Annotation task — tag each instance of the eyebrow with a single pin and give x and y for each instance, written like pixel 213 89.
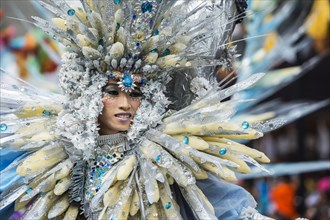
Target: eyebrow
pixel 116 85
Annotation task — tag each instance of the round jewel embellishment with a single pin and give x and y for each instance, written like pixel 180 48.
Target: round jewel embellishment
pixel 245 125
pixel 127 83
pixel 186 140
pixel 146 7
pixel 71 12
pixel 222 151
pixel 3 127
pixel 158 158
pixel 127 80
pixel 168 205
pixel 117 2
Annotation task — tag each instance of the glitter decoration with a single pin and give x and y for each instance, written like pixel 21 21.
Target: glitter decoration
pixel 71 12
pixel 146 7
pixel 106 157
pixel 3 127
pixel 245 125
pixel 168 205
pixel 186 140
pixel 222 151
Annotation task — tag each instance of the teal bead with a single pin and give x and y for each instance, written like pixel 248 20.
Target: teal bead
pixel 117 2
pixel 222 151
pixel 3 127
pixel 245 125
pixel 168 205
pixel 146 7
pixel 46 113
pixel 156 32
pixel 158 158
pixel 166 52
pixel 71 12
pixel 155 50
pixel 186 140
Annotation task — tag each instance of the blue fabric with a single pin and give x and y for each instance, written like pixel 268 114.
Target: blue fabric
pixel 9 177
pixel 7 156
pixel 227 199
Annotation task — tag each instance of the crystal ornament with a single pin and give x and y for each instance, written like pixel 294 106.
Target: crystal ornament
pixel 186 140
pixel 223 151
pixel 127 83
pixel 46 113
pixel 127 80
pixel 3 127
pixel 168 205
pixel 71 12
pixel 146 7
pixel 245 125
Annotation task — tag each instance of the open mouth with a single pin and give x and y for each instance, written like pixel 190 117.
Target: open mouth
pixel 123 116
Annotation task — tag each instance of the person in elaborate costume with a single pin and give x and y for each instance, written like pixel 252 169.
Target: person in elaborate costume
pixel 143 129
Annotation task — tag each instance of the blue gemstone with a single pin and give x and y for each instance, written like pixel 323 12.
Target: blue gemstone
pixel 143 80
pixel 3 127
pixel 186 140
pixel 168 205
pixel 111 76
pixel 146 6
pixel 71 12
pixel 151 22
pixel 222 151
pixel 117 2
pixel 46 113
pixel 245 125
pixel 134 17
pixel 156 32
pixel 137 44
pixel 127 80
pixel 166 52
pixel 158 158
pixel 28 190
pixel 135 57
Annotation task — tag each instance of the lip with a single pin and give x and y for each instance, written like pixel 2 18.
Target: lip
pixel 124 116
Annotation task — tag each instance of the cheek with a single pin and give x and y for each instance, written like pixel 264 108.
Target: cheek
pixel 136 105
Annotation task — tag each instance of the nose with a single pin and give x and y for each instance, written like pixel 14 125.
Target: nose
pixel 124 102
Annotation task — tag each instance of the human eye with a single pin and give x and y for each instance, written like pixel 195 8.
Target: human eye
pixel 113 92
pixel 135 94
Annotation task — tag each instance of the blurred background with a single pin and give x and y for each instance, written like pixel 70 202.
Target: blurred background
pixel 287 39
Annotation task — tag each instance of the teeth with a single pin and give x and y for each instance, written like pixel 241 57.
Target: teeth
pixel 123 116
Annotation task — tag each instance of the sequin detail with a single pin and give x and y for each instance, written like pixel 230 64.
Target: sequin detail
pixel 105 158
